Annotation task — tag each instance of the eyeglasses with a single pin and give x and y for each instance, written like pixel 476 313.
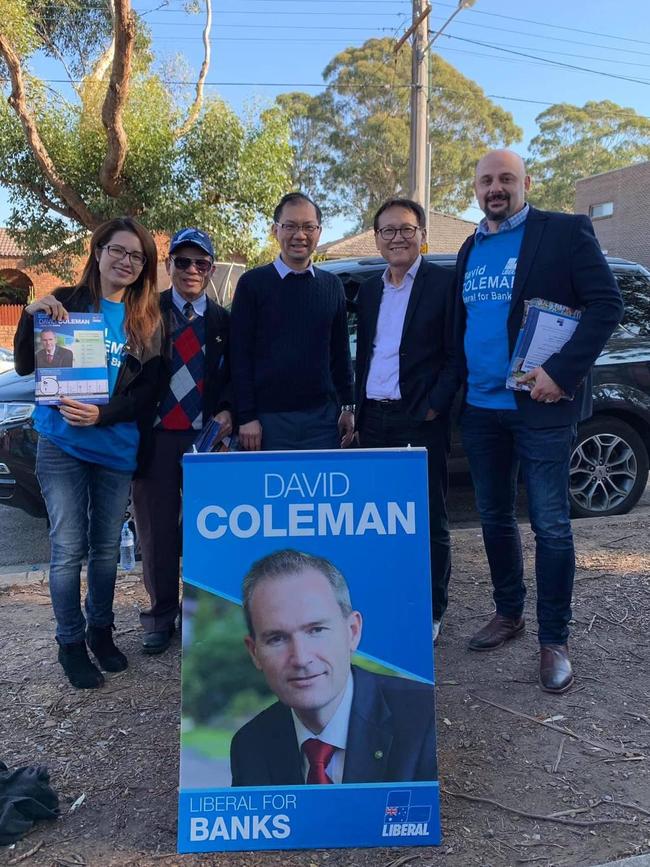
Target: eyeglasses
pixel 294 228
pixel 116 252
pixel 185 262
pixel 389 232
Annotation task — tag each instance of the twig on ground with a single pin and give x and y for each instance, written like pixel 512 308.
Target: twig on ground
pixel 403 860
pixel 539 817
pixel 621 539
pixel 557 761
pixel 637 715
pixel 591 623
pixel 27 854
pixel 561 729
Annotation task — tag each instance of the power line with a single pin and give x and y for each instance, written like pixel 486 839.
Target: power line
pixel 553 26
pixel 550 62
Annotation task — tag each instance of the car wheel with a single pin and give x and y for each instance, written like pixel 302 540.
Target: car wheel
pixel 609 468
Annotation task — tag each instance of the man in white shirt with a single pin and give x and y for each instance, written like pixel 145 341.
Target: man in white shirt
pixel 334 722
pixel 406 372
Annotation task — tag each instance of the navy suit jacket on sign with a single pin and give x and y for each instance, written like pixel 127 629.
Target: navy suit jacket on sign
pixel 560 260
pixel 428 372
pixel 391 737
pixel 62 358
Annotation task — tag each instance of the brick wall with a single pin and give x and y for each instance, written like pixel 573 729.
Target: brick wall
pixel 7 336
pixel 625 233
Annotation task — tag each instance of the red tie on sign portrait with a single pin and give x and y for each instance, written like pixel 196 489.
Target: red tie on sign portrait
pixel 319 754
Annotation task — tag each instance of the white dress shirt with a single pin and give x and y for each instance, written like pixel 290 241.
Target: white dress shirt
pixel 335 734
pixel 383 375
pixel 283 269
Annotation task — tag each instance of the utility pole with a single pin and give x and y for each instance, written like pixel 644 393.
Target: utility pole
pixel 419 102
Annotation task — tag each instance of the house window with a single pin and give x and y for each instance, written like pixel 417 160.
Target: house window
pixel 604 209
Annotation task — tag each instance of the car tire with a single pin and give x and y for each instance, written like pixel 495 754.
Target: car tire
pixel 608 469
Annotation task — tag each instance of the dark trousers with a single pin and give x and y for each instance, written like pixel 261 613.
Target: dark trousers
pixel 384 424
pixel 497 442
pixel 302 429
pixel 157 506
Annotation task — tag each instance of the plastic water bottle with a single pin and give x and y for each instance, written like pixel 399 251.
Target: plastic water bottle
pixel 127 548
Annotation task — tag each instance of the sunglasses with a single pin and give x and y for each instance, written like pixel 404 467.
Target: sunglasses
pixel 185 262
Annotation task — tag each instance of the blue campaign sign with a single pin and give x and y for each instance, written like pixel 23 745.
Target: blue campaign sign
pixel 308 716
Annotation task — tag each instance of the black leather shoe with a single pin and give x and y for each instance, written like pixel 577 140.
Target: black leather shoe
pixel 555 672
pixel 157 642
pixel 495 633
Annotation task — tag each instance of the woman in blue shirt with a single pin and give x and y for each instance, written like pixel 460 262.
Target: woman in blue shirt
pixel 87 454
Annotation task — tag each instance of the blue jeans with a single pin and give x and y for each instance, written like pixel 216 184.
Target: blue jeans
pixel 86 505
pixel 497 442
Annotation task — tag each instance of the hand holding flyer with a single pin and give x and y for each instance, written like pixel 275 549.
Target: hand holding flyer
pixel 70 358
pixel 545 329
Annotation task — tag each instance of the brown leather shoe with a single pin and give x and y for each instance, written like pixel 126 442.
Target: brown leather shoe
pixel 555 672
pixel 495 633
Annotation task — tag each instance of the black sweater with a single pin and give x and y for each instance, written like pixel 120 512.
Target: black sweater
pixel 289 340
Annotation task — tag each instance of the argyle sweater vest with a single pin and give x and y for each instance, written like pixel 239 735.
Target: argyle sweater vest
pixel 181 408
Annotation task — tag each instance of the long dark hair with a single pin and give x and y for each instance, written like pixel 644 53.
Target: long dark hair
pixel 142 310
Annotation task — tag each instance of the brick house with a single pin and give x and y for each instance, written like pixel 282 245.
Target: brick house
pixel 446 234
pixel 618 203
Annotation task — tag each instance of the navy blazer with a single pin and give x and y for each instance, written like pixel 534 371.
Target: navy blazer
pixel 428 370
pixel 560 260
pixel 391 737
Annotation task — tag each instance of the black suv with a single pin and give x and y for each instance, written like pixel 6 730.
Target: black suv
pixel 609 466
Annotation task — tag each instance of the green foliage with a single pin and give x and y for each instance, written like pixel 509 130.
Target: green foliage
pixel 220 683
pixel 351 143
pixel 577 141
pixel 224 174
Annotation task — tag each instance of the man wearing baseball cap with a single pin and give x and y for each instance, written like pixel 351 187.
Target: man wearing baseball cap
pixel 195 386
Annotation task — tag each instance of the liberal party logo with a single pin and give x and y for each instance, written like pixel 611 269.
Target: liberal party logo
pixel 403 819
pixel 511 265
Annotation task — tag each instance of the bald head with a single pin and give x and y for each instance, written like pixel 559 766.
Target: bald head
pixel 501 183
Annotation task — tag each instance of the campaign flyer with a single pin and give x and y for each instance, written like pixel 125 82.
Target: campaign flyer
pixel 70 358
pixel 308 713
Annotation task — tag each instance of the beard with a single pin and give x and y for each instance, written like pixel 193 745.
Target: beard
pixel 499 216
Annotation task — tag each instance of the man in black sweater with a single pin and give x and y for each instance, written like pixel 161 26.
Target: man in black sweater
pixel 291 368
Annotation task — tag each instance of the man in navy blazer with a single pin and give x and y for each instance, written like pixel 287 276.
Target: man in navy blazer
pixel 406 369
pixel 51 354
pixel 333 723
pixel 516 254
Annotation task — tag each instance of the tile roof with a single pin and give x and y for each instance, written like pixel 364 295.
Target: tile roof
pixel 446 234
pixel 8 246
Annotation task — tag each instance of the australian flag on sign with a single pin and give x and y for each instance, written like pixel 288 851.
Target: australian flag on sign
pixel 397 806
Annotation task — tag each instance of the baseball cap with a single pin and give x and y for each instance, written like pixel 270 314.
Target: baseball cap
pixel 192 236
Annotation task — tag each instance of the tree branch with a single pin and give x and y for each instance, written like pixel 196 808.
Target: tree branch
pixel 110 174
pixel 205 66
pixel 106 57
pixel 18 101
pixel 41 195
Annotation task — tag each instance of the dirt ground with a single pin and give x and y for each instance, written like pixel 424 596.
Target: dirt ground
pixel 526 777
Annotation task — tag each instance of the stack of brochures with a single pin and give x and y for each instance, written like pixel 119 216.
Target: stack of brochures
pixel 211 439
pixel 545 328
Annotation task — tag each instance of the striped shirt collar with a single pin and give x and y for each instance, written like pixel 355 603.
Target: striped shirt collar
pixel 506 226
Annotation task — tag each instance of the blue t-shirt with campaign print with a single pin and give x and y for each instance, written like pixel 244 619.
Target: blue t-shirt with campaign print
pixel 114 445
pixel 487 292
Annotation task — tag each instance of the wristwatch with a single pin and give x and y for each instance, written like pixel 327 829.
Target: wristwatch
pixel 347 407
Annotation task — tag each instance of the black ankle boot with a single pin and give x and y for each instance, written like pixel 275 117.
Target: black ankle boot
pixel 79 670
pixel 100 641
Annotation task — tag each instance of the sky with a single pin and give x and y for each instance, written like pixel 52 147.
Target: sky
pixel 524 54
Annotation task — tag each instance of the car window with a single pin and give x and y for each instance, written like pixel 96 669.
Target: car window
pixel 635 289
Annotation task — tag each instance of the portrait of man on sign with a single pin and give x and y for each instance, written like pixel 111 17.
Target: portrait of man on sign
pixel 333 722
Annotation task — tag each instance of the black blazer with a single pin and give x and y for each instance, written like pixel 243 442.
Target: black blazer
pixel 560 260
pixel 62 357
pixel 391 737
pixel 428 372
